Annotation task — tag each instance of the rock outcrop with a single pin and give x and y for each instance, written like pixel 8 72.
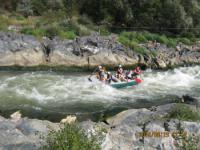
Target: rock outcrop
pixel 167 57
pixel 129 130
pixel 20 50
pixel 146 129
pixel 23 50
pixel 24 133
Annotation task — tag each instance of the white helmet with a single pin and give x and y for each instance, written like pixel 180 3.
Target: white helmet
pixel 109 73
pixel 120 66
pixel 100 67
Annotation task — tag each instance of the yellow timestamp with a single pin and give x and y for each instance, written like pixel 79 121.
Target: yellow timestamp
pixel 159 134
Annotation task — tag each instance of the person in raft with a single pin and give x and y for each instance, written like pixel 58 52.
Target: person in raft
pixel 135 72
pixel 120 73
pixel 109 78
pixel 101 73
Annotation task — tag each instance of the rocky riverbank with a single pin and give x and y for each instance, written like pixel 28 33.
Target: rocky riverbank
pixel 151 129
pixel 89 51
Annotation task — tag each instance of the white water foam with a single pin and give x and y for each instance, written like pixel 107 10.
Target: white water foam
pixel 57 90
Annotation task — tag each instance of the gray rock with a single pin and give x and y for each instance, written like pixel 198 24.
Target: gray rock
pixel 142 129
pixel 134 129
pixel 191 100
pixel 20 50
pixel 23 50
pixel 24 134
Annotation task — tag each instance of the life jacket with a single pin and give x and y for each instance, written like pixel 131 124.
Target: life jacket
pixel 120 71
pixel 136 71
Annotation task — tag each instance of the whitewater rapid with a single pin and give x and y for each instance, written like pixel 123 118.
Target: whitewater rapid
pixel 72 93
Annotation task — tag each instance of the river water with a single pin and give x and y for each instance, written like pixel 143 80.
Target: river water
pixel 51 95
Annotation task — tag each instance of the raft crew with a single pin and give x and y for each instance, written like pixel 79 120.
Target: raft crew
pixel 121 75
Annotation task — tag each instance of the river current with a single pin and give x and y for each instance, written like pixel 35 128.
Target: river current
pixel 51 95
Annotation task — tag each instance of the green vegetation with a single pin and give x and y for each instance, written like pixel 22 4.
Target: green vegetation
pixel 144 36
pixel 71 137
pixel 184 112
pixel 70 18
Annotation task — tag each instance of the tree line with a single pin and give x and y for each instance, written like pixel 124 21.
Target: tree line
pixel 180 17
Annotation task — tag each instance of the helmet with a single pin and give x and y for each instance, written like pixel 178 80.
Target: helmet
pixel 120 66
pixel 100 67
pixel 109 73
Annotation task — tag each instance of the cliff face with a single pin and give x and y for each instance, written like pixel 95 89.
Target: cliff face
pixel 23 50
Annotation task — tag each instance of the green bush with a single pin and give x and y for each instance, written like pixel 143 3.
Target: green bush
pixel 141 38
pixel 85 20
pixel 148 36
pixel 35 32
pixel 124 40
pixel 184 112
pixel 129 40
pixel 3 22
pixel 3 26
pixel 67 35
pixel 51 31
pixel 103 30
pixel 185 41
pixel 133 45
pixel 162 39
pixel 71 137
pixel 172 42
pixel 39 6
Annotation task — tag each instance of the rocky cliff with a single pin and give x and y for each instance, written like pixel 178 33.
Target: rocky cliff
pixel 23 50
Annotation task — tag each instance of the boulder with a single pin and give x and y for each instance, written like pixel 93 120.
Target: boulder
pixel 24 133
pixel 144 129
pixel 20 50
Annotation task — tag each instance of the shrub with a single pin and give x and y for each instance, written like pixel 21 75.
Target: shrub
pixel 148 36
pixel 124 40
pixel 104 31
pixel 68 35
pixel 153 53
pixel 162 39
pixel 39 6
pixel 185 41
pixel 128 35
pixel 3 26
pixel 31 31
pixel 71 137
pixel 141 38
pixel 85 20
pixel 3 22
pixel 129 40
pixel 82 30
pixel 184 112
pixel 172 42
pixel 51 31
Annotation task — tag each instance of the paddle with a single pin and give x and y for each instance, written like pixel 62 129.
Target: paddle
pixel 89 78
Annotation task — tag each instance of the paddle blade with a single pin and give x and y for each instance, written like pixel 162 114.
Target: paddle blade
pixel 90 79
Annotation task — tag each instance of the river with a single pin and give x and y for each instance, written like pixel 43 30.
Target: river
pixel 52 96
